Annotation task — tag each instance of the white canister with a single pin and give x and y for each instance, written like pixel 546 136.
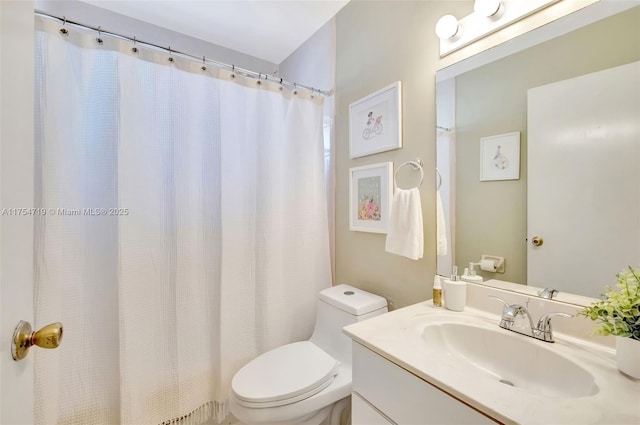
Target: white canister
pixel 627 355
pixel 454 294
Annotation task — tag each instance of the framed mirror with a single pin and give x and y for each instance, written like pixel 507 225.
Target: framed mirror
pixel 580 201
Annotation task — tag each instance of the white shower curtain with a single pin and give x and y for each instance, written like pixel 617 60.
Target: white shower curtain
pixel 184 233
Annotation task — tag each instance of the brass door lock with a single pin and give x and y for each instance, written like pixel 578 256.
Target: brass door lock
pixel 49 336
pixel 537 241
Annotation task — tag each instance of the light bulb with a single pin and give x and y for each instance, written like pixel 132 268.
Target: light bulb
pixel 486 8
pixel 447 27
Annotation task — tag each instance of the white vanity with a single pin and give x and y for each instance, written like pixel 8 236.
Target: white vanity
pixel 384 393
pixel 427 365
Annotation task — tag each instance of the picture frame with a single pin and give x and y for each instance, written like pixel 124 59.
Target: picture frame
pixel 370 194
pixel 375 122
pixel 500 157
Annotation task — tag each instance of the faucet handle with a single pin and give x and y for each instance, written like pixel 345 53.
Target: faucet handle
pixel 506 304
pixel 509 313
pixel 544 325
pixel 511 310
pixel 548 293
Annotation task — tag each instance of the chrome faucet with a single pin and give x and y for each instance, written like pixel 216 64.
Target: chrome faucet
pixel 548 293
pixel 541 331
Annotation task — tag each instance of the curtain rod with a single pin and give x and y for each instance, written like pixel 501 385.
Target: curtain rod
pixel 231 67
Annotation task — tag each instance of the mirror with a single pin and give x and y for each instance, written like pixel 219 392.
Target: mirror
pixel 492 217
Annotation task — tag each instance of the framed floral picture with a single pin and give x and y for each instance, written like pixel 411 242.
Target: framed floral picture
pixel 370 192
pixel 375 122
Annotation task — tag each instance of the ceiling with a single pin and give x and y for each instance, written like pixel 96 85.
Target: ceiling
pixel 267 29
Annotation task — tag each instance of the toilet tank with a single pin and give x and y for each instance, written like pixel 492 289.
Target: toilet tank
pixel 339 306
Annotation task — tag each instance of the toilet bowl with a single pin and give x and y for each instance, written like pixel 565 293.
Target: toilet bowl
pixel 301 382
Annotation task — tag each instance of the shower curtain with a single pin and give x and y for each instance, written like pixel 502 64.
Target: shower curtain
pixel 183 229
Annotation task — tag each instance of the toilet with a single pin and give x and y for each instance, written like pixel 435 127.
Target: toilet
pixel 301 383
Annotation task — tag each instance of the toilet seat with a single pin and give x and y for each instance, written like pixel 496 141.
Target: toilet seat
pixel 285 375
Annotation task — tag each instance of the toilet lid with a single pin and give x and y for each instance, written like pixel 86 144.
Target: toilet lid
pixel 293 371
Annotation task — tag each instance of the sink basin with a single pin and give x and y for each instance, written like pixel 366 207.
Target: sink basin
pixel 511 359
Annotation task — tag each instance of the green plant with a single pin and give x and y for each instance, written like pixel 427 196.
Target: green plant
pixel 618 313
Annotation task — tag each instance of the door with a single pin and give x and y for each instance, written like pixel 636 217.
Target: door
pixel 16 184
pixel 584 203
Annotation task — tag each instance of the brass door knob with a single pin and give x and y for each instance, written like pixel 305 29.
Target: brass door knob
pixel 49 336
pixel 537 241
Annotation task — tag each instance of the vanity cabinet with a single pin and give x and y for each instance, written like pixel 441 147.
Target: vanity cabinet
pixel 385 393
pixel 364 413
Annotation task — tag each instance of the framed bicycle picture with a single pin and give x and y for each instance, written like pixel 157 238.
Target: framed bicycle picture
pixel 370 193
pixel 500 157
pixel 375 122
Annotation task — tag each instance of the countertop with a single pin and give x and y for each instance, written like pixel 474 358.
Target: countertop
pixel 395 336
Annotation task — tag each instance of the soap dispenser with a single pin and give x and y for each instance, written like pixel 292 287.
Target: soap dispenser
pixel 470 275
pixel 437 292
pixel 455 292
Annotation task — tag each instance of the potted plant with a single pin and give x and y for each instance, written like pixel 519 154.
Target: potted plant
pixel 618 314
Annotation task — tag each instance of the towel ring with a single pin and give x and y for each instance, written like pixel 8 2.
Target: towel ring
pixel 415 165
pixel 439 176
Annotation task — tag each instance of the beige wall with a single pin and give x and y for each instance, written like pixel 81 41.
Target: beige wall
pixel 491 216
pixel 314 64
pixel 378 43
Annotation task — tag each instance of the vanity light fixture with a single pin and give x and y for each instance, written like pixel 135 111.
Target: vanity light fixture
pixel 488 17
pixel 447 27
pixel 487 8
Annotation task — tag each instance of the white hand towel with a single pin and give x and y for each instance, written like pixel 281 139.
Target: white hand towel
pixel 442 245
pixel 405 236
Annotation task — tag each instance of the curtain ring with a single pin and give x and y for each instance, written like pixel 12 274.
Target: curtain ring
pixel 233 69
pixel 134 49
pixel 204 68
pixel 63 30
pixel 259 76
pixel 99 38
pixel 170 59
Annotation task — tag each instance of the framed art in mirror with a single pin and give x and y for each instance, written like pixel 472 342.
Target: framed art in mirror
pixel 370 190
pixel 375 122
pixel 500 157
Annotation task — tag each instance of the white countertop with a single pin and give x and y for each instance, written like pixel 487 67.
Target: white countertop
pixel 394 336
